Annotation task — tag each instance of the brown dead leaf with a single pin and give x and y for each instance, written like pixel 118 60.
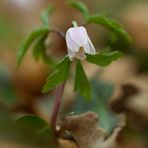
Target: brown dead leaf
pixel 86 133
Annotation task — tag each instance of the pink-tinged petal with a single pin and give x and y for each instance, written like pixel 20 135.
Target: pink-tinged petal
pixel 86 48
pixel 78 43
pixel 71 54
pixel 70 43
pixel 78 35
pixel 91 47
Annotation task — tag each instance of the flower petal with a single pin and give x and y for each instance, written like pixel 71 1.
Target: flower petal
pixel 70 43
pixel 71 54
pixel 78 35
pixel 78 43
pixel 87 48
pixel 91 47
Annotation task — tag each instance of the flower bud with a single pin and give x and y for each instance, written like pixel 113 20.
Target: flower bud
pixel 78 43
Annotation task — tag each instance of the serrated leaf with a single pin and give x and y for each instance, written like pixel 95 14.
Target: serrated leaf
pixel 59 75
pixel 101 92
pixel 28 41
pixel 39 50
pixel 45 15
pixel 104 58
pixel 110 24
pixel 81 82
pixel 80 6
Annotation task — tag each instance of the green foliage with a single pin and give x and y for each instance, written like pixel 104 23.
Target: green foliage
pixel 28 41
pixel 59 74
pixel 81 82
pixel 39 47
pixel 104 58
pixel 39 50
pixel 36 124
pixel 8 95
pixel 80 6
pixel 101 92
pixel 28 131
pixel 40 34
pixel 109 24
pixel 45 15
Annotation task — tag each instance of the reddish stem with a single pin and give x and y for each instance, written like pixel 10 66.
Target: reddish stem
pixel 58 98
pixel 58 32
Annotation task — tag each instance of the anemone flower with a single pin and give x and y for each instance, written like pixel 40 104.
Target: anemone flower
pixel 78 43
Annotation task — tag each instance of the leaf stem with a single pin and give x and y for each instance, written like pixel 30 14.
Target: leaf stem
pixel 58 32
pixel 58 97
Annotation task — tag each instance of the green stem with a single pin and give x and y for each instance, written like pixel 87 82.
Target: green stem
pixel 74 23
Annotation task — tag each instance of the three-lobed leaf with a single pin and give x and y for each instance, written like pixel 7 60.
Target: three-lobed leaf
pixel 28 42
pixel 81 82
pixel 109 24
pixel 59 75
pixel 105 57
pixel 80 6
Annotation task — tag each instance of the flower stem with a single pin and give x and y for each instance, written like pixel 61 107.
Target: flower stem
pixel 58 98
pixel 74 23
pixel 58 32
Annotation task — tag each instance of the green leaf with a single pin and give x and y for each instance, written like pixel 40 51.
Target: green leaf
pixel 110 24
pixel 59 75
pixel 80 6
pixel 31 132
pixel 81 82
pixel 36 124
pixel 46 14
pixel 28 41
pixel 8 94
pixel 104 58
pixel 101 92
pixel 39 50
pixel 39 46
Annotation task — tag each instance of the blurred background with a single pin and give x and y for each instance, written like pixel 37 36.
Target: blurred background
pixel 20 89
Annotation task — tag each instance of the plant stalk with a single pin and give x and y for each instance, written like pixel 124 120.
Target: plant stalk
pixel 58 99
pixel 58 32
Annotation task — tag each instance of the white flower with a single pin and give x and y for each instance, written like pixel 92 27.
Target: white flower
pixel 78 43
